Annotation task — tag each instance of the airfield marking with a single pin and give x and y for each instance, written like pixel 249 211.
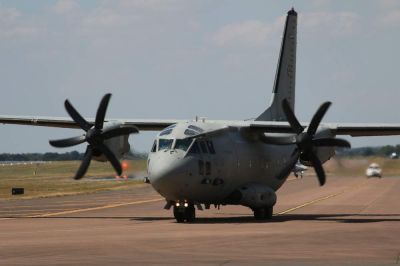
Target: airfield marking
pixel 94 208
pixel 84 209
pixel 319 199
pixel 309 203
pixel 160 199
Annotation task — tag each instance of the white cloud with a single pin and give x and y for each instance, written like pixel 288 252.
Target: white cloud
pixel 152 4
pixel 8 15
pixel 335 22
pixel 14 24
pixel 392 18
pixel 257 33
pixel 388 4
pixel 124 12
pixel 247 33
pixel 65 6
pixel 104 17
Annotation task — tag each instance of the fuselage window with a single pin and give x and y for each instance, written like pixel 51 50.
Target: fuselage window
pixel 194 149
pixel 201 167
pixel 210 146
pixel 203 147
pixel 208 168
pixel 189 132
pixel 196 128
pixel 183 144
pixel 164 144
pixel 154 148
pixel 166 132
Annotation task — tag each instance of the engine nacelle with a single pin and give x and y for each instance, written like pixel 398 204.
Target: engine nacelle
pixel 323 153
pixel 118 145
pixel 253 195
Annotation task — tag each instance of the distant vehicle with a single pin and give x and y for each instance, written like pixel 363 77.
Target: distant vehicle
pixel 373 170
pixel 394 155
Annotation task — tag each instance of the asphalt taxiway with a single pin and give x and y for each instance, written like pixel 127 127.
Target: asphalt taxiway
pixel 351 221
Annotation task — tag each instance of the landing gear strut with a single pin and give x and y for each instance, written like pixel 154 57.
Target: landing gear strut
pixel 263 213
pixel 185 213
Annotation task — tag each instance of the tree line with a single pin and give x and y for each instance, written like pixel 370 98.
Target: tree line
pixel 54 156
pixel 383 151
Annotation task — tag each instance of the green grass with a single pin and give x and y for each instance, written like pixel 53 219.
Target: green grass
pixel 356 166
pixel 56 178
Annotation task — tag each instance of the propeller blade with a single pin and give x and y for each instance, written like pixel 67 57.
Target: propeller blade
pixel 319 170
pixel 332 142
pixel 62 143
pixel 278 140
pixel 111 157
pixel 101 111
pixel 290 164
pixel 76 116
pixel 317 118
pixel 294 123
pixel 85 163
pixel 122 130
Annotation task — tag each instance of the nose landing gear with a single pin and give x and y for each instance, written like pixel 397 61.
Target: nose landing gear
pixel 264 213
pixel 184 212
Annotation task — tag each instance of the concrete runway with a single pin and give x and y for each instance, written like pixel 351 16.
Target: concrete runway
pixel 350 221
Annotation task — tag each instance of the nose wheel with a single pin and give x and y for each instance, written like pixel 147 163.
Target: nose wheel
pixel 264 213
pixel 184 213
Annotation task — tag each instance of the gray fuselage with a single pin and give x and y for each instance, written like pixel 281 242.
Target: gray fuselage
pixel 217 166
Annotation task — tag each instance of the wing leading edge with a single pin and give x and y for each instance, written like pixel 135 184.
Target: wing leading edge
pixel 63 122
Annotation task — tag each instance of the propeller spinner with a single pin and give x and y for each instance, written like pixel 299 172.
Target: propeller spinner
pixel 306 141
pixel 95 135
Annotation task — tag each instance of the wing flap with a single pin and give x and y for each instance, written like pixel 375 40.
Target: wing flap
pixel 350 129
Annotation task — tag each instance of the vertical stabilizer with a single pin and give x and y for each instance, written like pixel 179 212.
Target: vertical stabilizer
pixel 285 77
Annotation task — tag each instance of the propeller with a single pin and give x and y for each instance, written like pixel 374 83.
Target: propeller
pixel 95 135
pixel 306 141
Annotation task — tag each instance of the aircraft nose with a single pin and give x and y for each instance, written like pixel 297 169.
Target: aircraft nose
pixel 168 174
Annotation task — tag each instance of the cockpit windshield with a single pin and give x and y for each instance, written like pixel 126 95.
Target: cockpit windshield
pixel 165 144
pixel 183 144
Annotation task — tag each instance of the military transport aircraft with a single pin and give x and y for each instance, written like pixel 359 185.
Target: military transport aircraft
pixel 198 163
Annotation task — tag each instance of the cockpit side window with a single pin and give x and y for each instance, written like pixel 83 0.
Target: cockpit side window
pixel 154 148
pixel 183 144
pixel 203 147
pixel 210 146
pixel 165 144
pixel 194 149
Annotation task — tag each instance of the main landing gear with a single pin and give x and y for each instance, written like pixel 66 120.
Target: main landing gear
pixel 184 213
pixel 263 213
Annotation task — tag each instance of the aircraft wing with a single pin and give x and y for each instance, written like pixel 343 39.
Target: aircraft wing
pixel 351 129
pixel 64 122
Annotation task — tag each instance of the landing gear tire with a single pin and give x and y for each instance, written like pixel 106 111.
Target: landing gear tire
pixel 179 215
pixel 264 213
pixel 183 214
pixel 190 214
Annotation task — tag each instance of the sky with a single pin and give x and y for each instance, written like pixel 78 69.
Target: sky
pixel 178 59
